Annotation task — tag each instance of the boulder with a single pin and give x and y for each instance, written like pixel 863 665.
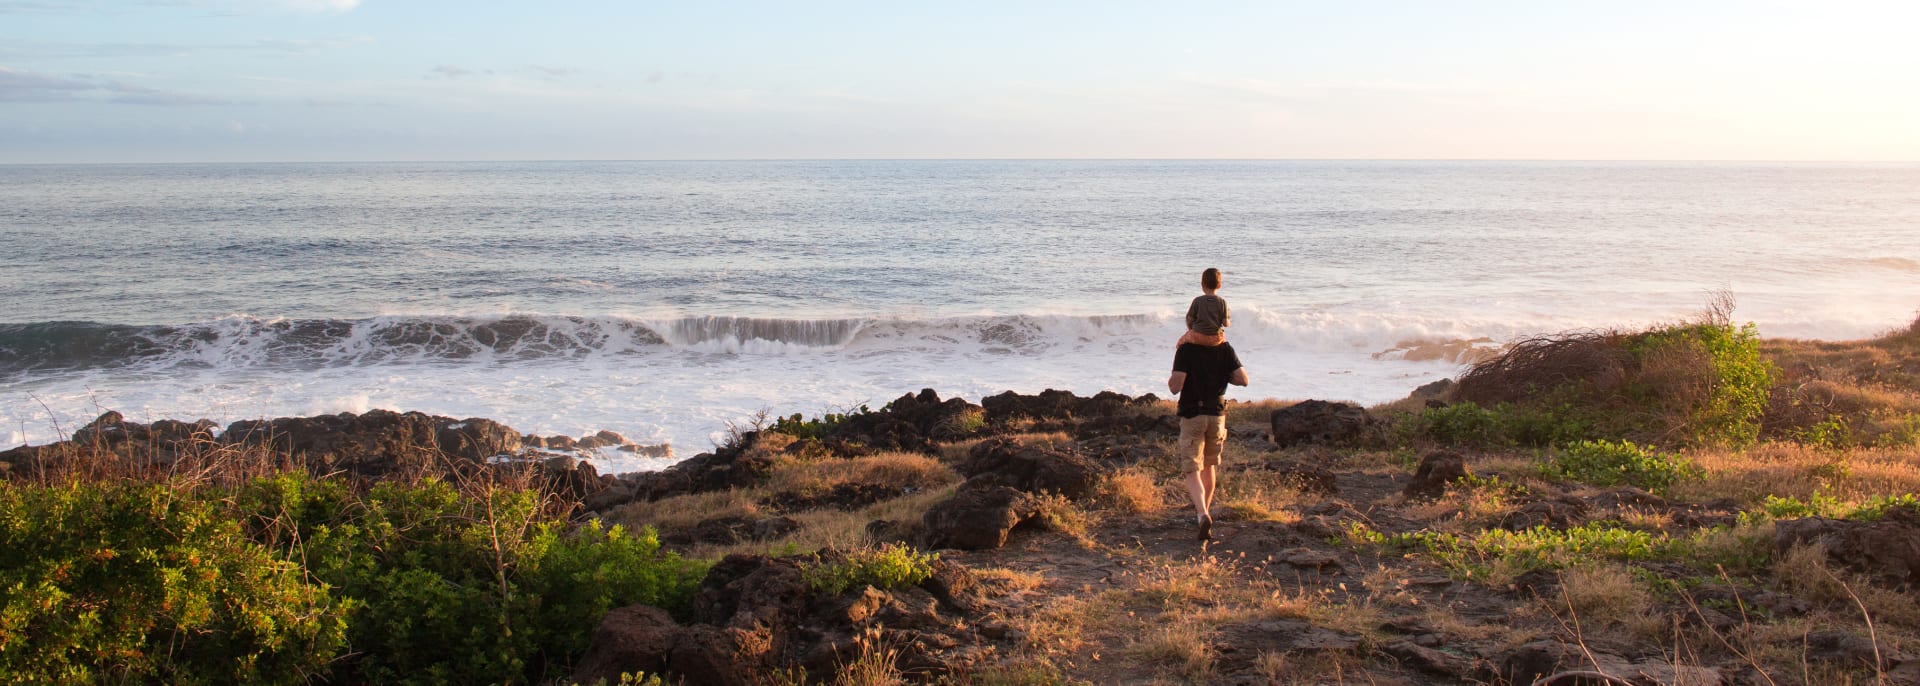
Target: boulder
pixel 735 466
pixel 1318 421
pixel 1436 471
pixel 476 439
pixel 747 590
pixel 979 516
pixel 1409 653
pixel 1559 513
pixel 1048 404
pixel 1030 468
pixel 107 429
pixel 1842 647
pixel 911 423
pixel 636 638
pixel 1889 548
pixel 1436 390
pixel 955 587
pixel 724 655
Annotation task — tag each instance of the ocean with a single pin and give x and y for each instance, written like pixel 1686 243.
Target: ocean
pixel 668 300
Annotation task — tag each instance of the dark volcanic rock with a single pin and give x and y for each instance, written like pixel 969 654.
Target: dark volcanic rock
pixel 379 442
pixel 755 614
pixel 1318 421
pixel 1889 548
pixel 734 466
pixel 955 586
pixel 846 497
pixel 1559 513
pixel 1842 647
pixel 911 422
pixel 1436 390
pixel 636 638
pixel 1009 462
pixel 978 517
pixel 1409 653
pixel 1437 470
pixel 724 655
pixel 1533 661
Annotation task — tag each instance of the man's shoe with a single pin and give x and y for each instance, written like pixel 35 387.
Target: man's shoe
pixel 1206 527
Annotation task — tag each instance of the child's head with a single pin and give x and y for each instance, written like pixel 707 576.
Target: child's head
pixel 1210 279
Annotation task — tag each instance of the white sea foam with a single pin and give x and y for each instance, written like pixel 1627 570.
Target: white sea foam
pixel 702 374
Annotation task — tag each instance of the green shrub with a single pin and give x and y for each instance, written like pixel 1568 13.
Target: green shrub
pixel 1824 505
pixel 452 588
pixel 817 428
pixel 890 566
pixel 1504 425
pixel 1612 463
pixel 1536 548
pixel 1739 379
pixel 139 583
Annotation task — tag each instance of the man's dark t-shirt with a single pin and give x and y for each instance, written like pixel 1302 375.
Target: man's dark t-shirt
pixel 1208 368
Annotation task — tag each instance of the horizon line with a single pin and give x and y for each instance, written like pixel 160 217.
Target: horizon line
pixel 979 159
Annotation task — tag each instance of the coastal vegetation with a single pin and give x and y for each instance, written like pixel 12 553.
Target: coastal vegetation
pixel 1683 504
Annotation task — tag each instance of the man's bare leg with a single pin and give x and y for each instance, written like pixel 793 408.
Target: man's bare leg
pixel 1200 490
pixel 1208 476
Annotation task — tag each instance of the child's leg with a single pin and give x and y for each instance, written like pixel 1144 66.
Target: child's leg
pixel 1192 336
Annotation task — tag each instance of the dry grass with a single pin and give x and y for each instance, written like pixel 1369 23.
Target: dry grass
pixel 1010 580
pixel 875 665
pixel 682 511
pixel 891 470
pixel 1793 470
pixel 1601 595
pixel 1251 412
pixel 1182 647
pixel 1872 387
pixel 1132 491
pixel 958 451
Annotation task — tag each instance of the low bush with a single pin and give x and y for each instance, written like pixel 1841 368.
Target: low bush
pixel 1613 463
pixel 132 583
pixel 463 588
pixel 1699 383
pixel 294 579
pixel 1822 505
pixel 887 567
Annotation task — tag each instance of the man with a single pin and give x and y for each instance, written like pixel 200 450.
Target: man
pixel 1200 377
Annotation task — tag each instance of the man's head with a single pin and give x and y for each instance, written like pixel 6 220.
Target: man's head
pixel 1210 279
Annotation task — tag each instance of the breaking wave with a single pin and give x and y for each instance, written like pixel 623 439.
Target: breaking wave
pixel 242 342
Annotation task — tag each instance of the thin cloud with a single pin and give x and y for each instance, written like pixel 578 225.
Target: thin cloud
pixel 35 50
pixel 21 86
pixel 219 7
pixel 551 73
pixel 449 71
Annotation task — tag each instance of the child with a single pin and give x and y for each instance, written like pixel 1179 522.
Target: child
pixel 1207 316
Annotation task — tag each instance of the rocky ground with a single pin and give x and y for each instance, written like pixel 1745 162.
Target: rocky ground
pixel 1066 552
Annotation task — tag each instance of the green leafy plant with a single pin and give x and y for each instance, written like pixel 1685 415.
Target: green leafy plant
pixel 798 426
pixel 1612 463
pixel 452 587
pixel 139 583
pixel 887 567
pixel 1738 383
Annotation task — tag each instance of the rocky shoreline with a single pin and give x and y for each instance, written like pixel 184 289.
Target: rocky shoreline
pixel 1046 565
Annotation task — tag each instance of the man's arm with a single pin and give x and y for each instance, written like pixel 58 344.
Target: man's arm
pixel 1239 377
pixel 1178 380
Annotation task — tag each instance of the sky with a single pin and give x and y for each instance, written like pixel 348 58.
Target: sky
pixel 326 80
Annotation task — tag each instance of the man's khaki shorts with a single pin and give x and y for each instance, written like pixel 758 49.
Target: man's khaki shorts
pixel 1201 439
